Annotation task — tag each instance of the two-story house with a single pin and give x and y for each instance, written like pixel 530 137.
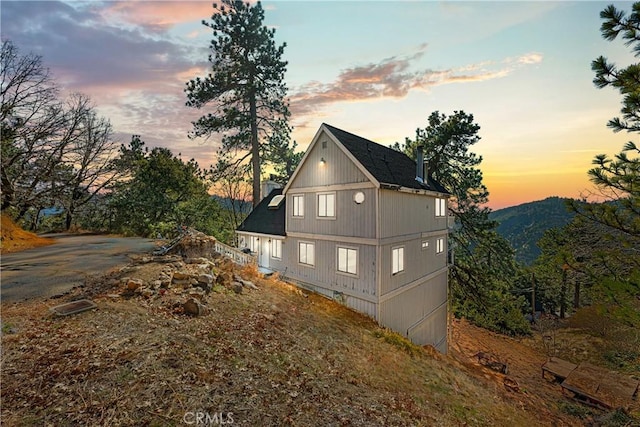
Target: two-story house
pixel 360 223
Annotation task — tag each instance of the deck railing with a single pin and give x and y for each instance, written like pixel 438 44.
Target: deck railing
pixel 235 254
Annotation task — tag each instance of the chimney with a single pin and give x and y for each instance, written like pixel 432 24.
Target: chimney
pixel 420 165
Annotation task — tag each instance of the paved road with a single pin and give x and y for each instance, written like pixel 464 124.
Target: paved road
pixel 53 269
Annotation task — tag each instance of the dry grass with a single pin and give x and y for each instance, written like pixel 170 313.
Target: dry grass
pixel 14 238
pixel 273 356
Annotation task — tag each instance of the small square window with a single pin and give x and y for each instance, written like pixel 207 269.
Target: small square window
pixel 327 205
pixel 425 244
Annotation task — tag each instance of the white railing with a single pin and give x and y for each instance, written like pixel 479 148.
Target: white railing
pixel 234 254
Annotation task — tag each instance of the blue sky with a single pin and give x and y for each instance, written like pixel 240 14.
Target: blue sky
pixel 376 69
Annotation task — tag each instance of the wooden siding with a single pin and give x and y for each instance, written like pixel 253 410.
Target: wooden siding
pixel 325 275
pixel 418 262
pixel 351 219
pixel 406 311
pixel 337 169
pixel 432 330
pixel 405 213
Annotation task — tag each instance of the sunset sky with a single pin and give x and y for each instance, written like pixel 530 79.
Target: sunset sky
pixel 374 68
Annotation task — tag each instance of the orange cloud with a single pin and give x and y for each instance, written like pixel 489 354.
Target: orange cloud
pixel 394 78
pixel 158 14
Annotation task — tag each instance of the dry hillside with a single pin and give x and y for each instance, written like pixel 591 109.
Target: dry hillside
pixel 14 238
pixel 260 353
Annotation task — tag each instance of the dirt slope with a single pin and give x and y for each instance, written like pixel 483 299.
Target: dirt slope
pixel 269 356
pixel 14 238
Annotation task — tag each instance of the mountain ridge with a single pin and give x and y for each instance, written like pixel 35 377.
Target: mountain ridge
pixel 523 225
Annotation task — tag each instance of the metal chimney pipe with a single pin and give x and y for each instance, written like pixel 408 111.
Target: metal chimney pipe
pixel 420 163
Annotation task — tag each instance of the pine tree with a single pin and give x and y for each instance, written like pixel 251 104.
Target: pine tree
pixel 245 87
pixel 484 260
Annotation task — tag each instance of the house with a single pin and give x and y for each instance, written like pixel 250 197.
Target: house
pixel 360 223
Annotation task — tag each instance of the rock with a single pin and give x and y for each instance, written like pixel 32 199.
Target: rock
pixel 197 293
pixel 246 283
pixel 146 292
pixel 156 284
pixel 206 287
pixel 198 260
pixel 133 284
pixel 194 307
pixel 224 278
pixel 179 275
pixel 237 287
pixel 205 278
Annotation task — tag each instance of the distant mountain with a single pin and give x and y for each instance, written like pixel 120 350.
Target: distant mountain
pixel 524 225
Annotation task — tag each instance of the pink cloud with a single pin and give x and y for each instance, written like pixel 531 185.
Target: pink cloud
pixel 394 78
pixel 158 14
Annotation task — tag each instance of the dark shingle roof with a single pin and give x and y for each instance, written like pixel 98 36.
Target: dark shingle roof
pixel 387 165
pixel 265 220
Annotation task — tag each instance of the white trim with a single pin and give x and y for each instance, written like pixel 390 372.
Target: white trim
pixel 270 236
pixel 333 187
pixel 313 244
pixel 347 273
pixel 272 252
pixel 332 238
pixel 400 260
pixel 335 202
pixel 294 205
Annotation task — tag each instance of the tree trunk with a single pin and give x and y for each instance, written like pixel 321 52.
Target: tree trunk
pixel 563 294
pixel 68 220
pixel 576 296
pixel 255 150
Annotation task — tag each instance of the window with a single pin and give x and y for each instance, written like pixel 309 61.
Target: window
pixel 276 248
pixel 440 245
pixel 441 207
pixel 306 253
pixel 327 205
pixel 347 260
pixel 425 244
pixel 254 244
pixel 397 260
pixel 298 205
pixel 276 202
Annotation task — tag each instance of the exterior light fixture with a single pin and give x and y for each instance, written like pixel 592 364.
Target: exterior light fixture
pixel 322 161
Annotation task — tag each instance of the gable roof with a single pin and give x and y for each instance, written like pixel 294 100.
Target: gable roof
pixel 266 220
pixel 387 165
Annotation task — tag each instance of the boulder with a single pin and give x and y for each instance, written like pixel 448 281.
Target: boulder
pixel 194 307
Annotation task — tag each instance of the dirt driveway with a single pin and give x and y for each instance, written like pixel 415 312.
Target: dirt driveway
pixel 51 270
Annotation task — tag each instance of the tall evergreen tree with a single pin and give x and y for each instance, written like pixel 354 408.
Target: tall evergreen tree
pixel 484 261
pixel 245 86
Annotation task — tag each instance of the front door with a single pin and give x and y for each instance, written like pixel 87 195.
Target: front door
pixel 265 250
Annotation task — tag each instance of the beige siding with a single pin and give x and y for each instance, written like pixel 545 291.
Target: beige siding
pixel 324 274
pixel 406 311
pixel 337 169
pixel 351 219
pixel 405 213
pixel 418 262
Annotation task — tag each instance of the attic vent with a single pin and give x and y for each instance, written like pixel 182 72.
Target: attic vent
pixel 276 202
pixel 324 144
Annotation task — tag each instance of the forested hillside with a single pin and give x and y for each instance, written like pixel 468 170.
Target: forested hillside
pixel 524 225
